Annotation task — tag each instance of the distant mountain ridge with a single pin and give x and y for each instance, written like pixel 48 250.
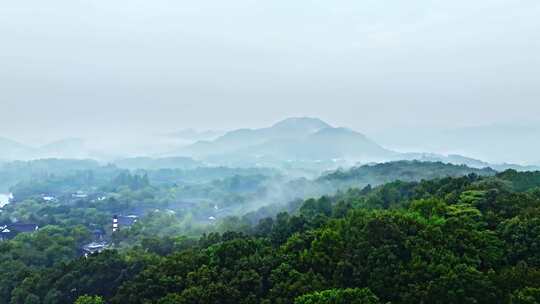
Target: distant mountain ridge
pixel 10 149
pixel 463 160
pixel 307 144
pixel 292 128
pixel 71 148
pixel 301 138
pixel 492 142
pixel 307 139
pixel 68 148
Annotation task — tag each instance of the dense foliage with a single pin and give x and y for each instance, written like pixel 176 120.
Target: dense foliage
pixel 401 170
pixel 467 239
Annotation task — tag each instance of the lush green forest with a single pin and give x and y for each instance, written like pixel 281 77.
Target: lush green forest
pixel 67 193
pixel 269 152
pixel 468 239
pixel 376 174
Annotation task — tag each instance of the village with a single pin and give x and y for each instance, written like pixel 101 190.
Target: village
pixel 101 237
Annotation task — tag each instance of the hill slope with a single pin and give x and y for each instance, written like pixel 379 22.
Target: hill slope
pixel 401 170
pixel 292 139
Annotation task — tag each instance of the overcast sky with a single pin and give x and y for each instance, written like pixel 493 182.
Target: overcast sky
pixel 92 67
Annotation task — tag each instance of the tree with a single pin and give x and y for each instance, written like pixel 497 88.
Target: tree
pixel 339 296
pixel 526 296
pixel 86 299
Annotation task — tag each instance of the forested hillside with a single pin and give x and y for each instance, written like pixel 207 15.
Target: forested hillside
pixel 269 152
pixel 467 239
pixel 68 192
pixel 401 170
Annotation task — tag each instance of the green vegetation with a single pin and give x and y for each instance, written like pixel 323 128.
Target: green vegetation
pixel 17 171
pixel 401 170
pixel 89 300
pixel 339 296
pixel 468 239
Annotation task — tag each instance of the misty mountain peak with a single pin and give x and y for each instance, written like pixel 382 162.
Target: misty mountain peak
pixel 338 131
pixel 309 124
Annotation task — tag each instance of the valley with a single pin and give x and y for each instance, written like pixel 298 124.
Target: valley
pixel 269 152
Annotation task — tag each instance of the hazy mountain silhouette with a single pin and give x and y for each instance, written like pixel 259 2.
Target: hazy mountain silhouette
pixel 511 142
pixel 10 149
pixel 292 139
pixel 300 139
pixel 70 148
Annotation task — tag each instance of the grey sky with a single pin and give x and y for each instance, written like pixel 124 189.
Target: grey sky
pixel 92 67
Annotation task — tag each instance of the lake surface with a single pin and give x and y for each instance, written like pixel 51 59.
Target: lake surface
pixel 4 199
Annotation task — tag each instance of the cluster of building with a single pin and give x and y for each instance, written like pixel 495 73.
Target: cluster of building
pixel 9 231
pixel 99 243
pixel 72 196
pixel 94 247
